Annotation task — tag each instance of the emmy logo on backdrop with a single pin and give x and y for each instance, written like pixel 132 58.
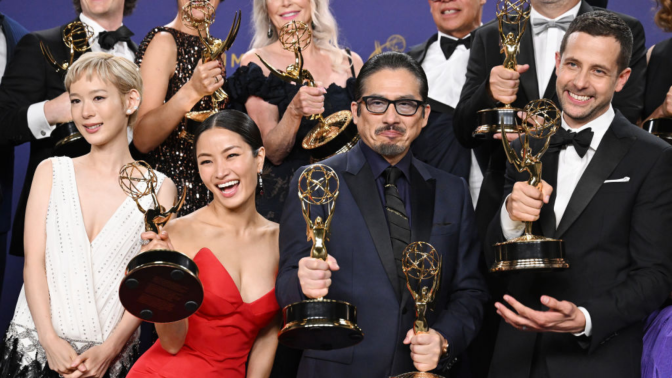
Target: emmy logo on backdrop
pixel 394 43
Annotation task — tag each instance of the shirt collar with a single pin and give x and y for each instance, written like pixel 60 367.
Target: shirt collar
pixel 572 12
pixel 379 164
pixel 97 29
pixel 598 126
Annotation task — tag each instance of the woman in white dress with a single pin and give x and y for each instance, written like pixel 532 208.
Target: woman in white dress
pixel 81 231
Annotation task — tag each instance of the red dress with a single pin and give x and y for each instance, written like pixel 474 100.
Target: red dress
pixel 221 333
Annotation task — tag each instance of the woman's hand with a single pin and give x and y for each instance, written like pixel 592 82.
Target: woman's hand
pixel 156 241
pixel 207 78
pixel 666 107
pixel 94 362
pixel 308 101
pixel 59 354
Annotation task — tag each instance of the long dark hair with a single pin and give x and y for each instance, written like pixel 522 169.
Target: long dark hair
pixel 232 120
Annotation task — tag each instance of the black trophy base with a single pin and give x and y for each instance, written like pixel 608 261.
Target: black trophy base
pixel 320 324
pixel 491 121
pixel 68 141
pixel 529 252
pixel 417 374
pixel 161 286
pixel 192 121
pixel 660 127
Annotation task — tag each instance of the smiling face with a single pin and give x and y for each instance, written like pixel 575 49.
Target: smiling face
pixel 284 11
pixel 457 17
pixel 228 167
pixel 588 76
pixel 390 134
pixel 97 9
pixel 100 111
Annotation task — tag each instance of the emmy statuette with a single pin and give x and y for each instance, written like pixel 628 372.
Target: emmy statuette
pixel 542 119
pixel 510 14
pixel 321 324
pixel 160 286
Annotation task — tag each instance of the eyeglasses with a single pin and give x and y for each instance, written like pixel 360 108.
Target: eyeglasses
pixel 379 105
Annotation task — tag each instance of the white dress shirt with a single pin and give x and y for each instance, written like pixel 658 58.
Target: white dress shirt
pixel 37 120
pixel 3 53
pixel 446 78
pixel 570 169
pixel 546 44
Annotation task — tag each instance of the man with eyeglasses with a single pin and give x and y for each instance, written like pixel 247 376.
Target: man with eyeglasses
pixel 387 200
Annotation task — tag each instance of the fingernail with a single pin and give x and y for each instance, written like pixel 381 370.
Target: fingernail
pixel 544 300
pixel 547 198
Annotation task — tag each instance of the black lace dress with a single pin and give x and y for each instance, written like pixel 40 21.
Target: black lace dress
pixel 250 81
pixel 175 156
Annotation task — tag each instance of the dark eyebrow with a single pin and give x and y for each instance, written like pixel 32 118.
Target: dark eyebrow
pixel 223 151
pixel 402 97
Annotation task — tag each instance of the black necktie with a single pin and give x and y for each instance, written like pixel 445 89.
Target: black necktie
pixel 107 39
pixel 448 45
pixel 397 220
pixel 580 141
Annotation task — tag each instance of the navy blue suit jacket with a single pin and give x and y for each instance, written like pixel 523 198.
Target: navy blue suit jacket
pixel 441 214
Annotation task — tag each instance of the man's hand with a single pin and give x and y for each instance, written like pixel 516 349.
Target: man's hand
pixel 504 83
pixel 525 202
pixel 561 317
pixel 58 110
pixel 425 349
pixel 315 276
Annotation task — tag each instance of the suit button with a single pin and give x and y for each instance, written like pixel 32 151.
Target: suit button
pixel 404 311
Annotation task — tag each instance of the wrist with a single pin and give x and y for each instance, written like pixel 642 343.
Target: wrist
pixel 48 337
pixel 191 95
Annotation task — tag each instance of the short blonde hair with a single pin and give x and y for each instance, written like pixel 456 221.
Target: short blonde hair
pixel 119 71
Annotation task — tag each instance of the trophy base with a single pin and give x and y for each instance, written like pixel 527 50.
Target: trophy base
pixel 320 325
pixel 660 127
pixel 417 374
pixel 337 134
pixel 529 252
pixel 161 286
pixel 192 120
pixel 68 141
pixel 491 121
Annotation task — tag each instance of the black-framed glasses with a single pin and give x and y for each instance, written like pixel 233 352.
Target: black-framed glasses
pixel 379 105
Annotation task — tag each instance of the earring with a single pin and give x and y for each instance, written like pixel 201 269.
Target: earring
pixel 261 184
pixel 270 29
pixel 208 197
pixel 129 111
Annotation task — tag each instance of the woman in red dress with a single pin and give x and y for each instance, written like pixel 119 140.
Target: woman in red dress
pixel 236 250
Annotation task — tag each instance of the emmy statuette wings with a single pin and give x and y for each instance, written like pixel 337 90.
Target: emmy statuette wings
pixel 321 323
pixel 160 285
pixel 332 135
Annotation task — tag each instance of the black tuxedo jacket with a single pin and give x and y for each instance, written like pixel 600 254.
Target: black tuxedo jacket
pixel 485 54
pixel 620 256
pixel 30 79
pixel 437 145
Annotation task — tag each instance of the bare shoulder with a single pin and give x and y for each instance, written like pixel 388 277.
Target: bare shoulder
pixel 43 174
pixel 271 231
pixel 162 40
pixel 251 57
pixel 161 51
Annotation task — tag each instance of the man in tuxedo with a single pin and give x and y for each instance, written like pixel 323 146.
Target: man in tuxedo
pixel 489 84
pixel 608 195
pixel 10 34
pixel 32 95
pixel 444 58
pixel 387 200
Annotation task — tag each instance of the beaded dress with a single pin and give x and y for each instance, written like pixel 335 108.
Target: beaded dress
pixel 83 278
pixel 175 156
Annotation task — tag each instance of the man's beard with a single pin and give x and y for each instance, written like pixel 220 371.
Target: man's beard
pixel 390 149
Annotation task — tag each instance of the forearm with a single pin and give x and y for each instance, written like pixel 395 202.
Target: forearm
pixel 260 362
pixel 37 296
pixel 280 140
pixel 154 127
pixel 124 330
pixel 172 335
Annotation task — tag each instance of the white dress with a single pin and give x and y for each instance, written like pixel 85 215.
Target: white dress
pixel 83 277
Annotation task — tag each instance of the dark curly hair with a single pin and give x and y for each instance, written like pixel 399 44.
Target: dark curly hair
pixel 129 6
pixel 664 15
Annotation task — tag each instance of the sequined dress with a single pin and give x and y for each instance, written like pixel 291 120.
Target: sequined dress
pixel 83 278
pixel 175 156
pixel 250 81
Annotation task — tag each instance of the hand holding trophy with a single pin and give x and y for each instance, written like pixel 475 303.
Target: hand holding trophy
pixel 542 119
pixel 214 48
pixel 160 286
pixel 322 324
pixel 421 264
pixel 332 135
pixel 513 14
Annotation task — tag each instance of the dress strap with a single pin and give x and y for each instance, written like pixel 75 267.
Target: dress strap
pixel 352 66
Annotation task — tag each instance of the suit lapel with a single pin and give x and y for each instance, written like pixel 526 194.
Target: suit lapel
pixel 362 185
pixel 528 80
pixel 609 154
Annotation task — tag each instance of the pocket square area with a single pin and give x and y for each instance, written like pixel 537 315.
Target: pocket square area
pixel 624 179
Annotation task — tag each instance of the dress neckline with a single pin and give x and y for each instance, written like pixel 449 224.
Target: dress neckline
pixel 271 76
pixel 272 291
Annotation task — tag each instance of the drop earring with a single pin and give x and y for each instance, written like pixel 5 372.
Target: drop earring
pixel 270 29
pixel 261 184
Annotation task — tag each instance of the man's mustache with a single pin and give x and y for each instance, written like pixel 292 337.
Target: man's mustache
pixel 396 128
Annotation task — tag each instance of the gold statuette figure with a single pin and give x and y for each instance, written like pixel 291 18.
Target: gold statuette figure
pixel 421 264
pixel 332 135
pixel 512 18
pixel 542 120
pixel 214 48
pixel 160 285
pixel 322 324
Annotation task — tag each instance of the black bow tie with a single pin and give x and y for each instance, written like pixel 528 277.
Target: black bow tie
pixel 580 141
pixel 448 45
pixel 107 39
